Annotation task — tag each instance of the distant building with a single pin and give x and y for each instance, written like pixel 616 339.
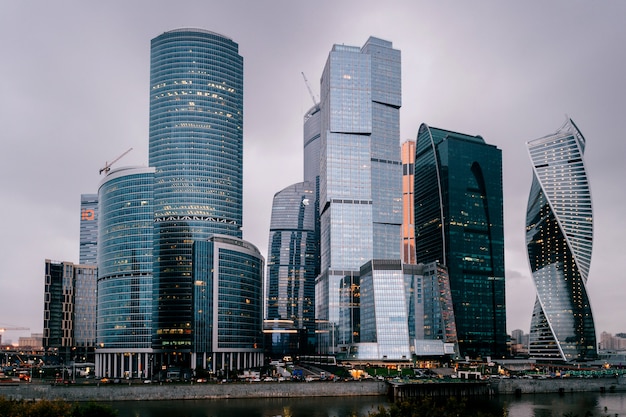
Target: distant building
pixel 227 305
pixel 360 175
pixel 459 223
pixel 33 342
pixel 88 229
pixel 559 238
pixel 408 203
pixel 608 342
pixel 519 343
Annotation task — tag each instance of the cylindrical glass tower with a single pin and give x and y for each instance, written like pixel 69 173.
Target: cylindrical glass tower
pixel 124 313
pixel 196 147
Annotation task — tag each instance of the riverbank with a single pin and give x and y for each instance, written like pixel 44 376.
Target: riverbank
pixel 136 392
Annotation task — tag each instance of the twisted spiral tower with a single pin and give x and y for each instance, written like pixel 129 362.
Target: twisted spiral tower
pixel 559 238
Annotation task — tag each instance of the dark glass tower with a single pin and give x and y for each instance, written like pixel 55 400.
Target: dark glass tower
pixel 196 147
pixel 459 222
pixel 559 238
pixel 291 269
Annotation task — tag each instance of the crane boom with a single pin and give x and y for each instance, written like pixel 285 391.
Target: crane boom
pixel 107 165
pixel 309 88
pixel 4 329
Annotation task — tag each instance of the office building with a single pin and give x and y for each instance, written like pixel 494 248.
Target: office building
pixel 88 229
pixel 69 310
pixel 227 305
pixel 407 153
pixel 459 223
pixel 360 174
pixel 559 238
pixel 58 323
pixel 196 148
pixel 405 313
pixel 124 314
pixel 291 272
pixel 85 301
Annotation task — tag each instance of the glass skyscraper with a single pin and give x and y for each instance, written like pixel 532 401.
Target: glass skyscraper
pixel 228 305
pixel 88 229
pixel 196 148
pixel 459 223
pixel 124 314
pixel 408 202
pixel 291 270
pixel 360 172
pixel 559 237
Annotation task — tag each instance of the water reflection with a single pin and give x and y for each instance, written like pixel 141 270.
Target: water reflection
pixel 271 407
pixel 538 405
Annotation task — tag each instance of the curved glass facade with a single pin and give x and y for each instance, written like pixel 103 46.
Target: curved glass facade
pixel 124 313
pixel 559 237
pixel 228 304
pixel 459 223
pixel 196 147
pixel 291 264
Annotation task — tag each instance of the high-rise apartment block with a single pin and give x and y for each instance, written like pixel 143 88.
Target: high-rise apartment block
pixel 360 174
pixel 459 223
pixel 559 238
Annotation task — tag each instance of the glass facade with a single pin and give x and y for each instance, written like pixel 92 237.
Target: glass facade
pixel 384 313
pixel 124 314
pixel 559 237
pixel 291 264
pixel 85 302
pixel 459 223
pixel 196 147
pixel 360 168
pixel 88 229
pixel 227 304
pixel 408 213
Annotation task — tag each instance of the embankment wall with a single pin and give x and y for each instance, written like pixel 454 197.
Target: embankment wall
pixel 134 392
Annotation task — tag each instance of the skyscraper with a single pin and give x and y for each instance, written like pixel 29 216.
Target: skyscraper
pixel 408 202
pixel 228 305
pixel 459 223
pixel 360 172
pixel 124 314
pixel 291 270
pixel 559 238
pixel 196 148
pixel 88 228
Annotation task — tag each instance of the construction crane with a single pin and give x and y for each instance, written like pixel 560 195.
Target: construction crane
pixel 107 165
pixel 309 88
pixel 4 329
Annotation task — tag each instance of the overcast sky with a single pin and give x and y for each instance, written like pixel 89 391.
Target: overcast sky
pixel 74 85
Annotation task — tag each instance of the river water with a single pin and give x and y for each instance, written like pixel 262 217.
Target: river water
pixel 528 405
